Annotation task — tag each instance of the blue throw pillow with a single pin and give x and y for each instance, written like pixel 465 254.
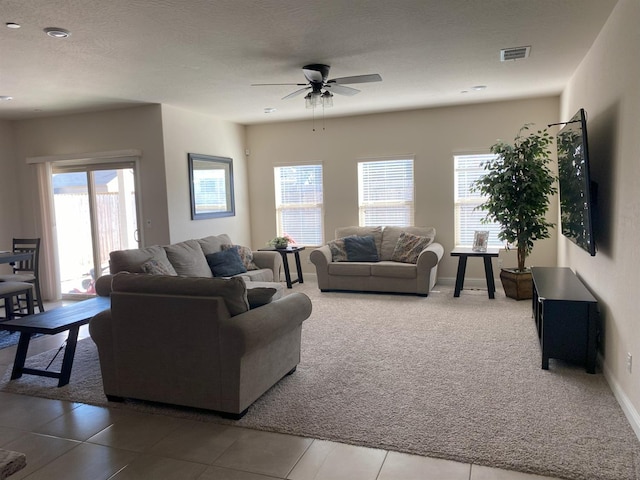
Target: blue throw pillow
pixel 225 263
pixel 361 249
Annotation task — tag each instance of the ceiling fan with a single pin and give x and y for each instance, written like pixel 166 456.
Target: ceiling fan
pixel 320 90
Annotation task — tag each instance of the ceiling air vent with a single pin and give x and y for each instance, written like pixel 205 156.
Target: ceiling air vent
pixel 515 53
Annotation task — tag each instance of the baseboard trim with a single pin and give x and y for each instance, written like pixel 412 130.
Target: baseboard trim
pixel 627 407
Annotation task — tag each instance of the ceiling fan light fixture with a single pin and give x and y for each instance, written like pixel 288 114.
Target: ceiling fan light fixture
pixel 327 99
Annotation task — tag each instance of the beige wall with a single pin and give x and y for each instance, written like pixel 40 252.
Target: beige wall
pixel 606 86
pixel 187 132
pixel 132 128
pixel 432 135
pixel 10 206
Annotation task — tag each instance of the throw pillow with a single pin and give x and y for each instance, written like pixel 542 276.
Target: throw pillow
pixel 361 249
pixel 245 254
pixel 158 267
pixel 338 250
pixel 408 247
pixel 259 296
pixel 225 263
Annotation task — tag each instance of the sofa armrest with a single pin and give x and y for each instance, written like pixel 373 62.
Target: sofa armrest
pixel 321 258
pixel 430 256
pixel 270 260
pixel 251 330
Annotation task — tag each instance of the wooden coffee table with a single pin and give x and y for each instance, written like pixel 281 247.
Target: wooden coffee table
pixel 69 317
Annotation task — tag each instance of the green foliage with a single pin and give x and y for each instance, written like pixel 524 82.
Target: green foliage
pixel 518 185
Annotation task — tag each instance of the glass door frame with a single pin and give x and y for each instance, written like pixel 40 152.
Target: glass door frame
pixel 90 167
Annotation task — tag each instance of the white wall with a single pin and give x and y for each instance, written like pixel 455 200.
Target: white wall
pixel 432 135
pixel 187 132
pixel 132 128
pixel 606 86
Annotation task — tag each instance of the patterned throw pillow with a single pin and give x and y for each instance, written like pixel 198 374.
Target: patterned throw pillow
pixel 245 254
pixel 409 247
pixel 158 267
pixel 225 263
pixel 338 250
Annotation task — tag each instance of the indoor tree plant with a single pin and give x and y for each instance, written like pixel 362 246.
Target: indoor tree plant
pixel 517 185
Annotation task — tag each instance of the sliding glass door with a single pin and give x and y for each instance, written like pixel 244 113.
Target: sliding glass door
pixel 95 212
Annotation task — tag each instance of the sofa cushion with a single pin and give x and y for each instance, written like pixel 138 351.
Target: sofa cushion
pixel 246 255
pixel 361 249
pixel 232 290
pixel 394 270
pixel 409 247
pixel 132 260
pixel 213 243
pixel 355 269
pixel 261 275
pixel 375 232
pixel 188 259
pixel 259 296
pixel 390 236
pixel 225 263
pixel 158 266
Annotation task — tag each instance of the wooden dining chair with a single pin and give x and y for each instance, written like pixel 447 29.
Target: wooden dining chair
pixel 27 270
pixel 10 292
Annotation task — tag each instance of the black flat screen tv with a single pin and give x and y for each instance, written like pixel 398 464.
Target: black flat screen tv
pixel 577 192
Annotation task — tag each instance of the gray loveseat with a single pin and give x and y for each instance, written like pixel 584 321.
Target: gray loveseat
pixel 195 341
pixel 384 274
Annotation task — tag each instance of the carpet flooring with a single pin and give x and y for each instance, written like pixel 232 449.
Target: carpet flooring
pixel 455 378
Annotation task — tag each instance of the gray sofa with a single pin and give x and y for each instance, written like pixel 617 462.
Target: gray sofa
pixel 188 259
pixel 335 272
pixel 194 341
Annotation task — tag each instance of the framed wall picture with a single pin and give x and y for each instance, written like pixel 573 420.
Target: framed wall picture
pixel 211 186
pixel 480 239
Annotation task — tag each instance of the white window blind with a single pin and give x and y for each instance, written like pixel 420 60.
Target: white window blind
pixel 299 203
pixel 385 192
pixel 468 169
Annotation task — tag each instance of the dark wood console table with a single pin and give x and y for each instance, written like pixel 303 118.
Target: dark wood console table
pixel 566 317
pixel 283 253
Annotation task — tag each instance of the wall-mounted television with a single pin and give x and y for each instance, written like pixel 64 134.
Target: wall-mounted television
pixel 577 191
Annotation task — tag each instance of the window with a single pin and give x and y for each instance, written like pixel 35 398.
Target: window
pixel 468 168
pixel 385 192
pixel 299 207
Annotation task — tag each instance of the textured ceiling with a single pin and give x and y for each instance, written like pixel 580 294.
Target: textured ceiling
pixel 204 55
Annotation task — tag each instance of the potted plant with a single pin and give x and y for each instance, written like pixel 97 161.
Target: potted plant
pixel 517 185
pixel 280 242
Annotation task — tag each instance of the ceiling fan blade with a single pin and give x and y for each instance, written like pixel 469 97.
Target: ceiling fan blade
pixel 296 93
pixel 266 84
pixel 373 77
pixel 341 89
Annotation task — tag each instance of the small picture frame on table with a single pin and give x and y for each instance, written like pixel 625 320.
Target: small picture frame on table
pixel 480 239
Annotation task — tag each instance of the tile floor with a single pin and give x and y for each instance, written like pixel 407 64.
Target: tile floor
pixel 74 441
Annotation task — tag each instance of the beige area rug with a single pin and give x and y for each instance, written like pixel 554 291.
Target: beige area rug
pixel 455 378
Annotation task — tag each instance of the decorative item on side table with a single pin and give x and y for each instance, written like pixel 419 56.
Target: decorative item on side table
pixel 279 242
pixel 517 187
pixel 480 239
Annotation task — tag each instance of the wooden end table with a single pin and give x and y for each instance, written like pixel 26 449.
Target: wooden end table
pixel 463 254
pixel 283 253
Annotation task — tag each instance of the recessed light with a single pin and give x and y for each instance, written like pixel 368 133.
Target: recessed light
pixel 5 98
pixel 56 32
pixel 478 87
pixel 270 110
pixel 12 25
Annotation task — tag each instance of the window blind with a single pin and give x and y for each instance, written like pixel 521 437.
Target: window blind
pixel 386 192
pixel 299 203
pixel 468 169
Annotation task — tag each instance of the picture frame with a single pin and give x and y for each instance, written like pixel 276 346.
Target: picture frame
pixel 211 186
pixel 480 240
